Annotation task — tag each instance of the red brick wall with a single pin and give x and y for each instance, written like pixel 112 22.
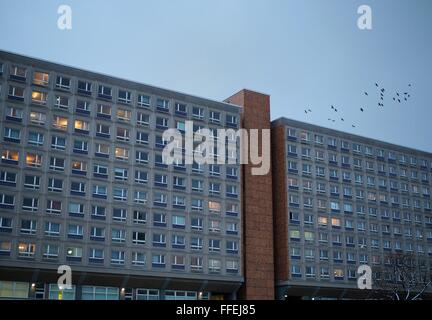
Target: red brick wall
pixel 280 210
pixel 257 217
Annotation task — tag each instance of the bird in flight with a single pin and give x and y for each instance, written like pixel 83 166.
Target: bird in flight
pixel 342 119
pixel 353 126
pixel 366 93
pixel 309 110
pixel 376 84
pixel 361 109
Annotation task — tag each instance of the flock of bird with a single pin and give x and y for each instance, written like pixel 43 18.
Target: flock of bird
pixel 399 97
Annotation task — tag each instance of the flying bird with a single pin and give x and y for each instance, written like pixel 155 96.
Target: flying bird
pixel 366 93
pixel 361 109
pixel 353 126
pixel 409 85
pixel 309 110
pixel 376 84
pixel 399 100
pixel 342 119
pixel 382 90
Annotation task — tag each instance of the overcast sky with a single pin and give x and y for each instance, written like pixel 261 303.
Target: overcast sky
pixel 304 53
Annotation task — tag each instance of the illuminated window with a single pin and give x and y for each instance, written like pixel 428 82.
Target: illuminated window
pixel 336 222
pixel 81 125
pixel 79 166
pixel 10 155
pixel 40 78
pixel 338 273
pixel 60 123
pixel 124 115
pixel 18 71
pixel 37 117
pixel 121 153
pixel 61 102
pixel 214 206
pixel 33 160
pixel 26 249
pixel 322 221
pixel 39 97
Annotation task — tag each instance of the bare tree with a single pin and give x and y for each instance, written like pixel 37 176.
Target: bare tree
pixel 402 276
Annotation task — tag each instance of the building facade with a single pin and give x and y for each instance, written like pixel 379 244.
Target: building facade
pixel 83 183
pixel 344 201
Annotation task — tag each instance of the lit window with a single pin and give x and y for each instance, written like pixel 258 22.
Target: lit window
pixel 40 78
pixel 60 123
pixel 39 97
pixel 33 160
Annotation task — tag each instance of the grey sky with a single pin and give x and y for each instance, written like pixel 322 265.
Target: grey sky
pixel 304 53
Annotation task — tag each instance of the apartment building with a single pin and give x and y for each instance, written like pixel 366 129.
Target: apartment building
pixel 344 201
pixel 83 183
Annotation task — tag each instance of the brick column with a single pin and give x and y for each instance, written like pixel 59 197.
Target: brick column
pixel 257 214
pixel 280 208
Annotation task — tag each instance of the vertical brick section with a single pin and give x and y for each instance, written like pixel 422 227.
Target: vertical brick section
pixel 280 209
pixel 257 217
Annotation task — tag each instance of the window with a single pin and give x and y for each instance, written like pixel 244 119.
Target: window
pixel 123 134
pixel 39 118
pixel 58 143
pixel 142 137
pixel 198 113
pixel 97 233
pixel 214 245
pixel 8 178
pixel 33 160
pixel 139 217
pixel 124 96
pixel 143 119
pixel 80 146
pixel 40 78
pixel 60 123
pixel 17 71
pixel 117 257
pixel 61 102
pixel 95 256
pixel 197 224
pixel 55 185
pixel 31 182
pixel 105 92
pixel 124 115
pixel 196 243
pixel 141 157
pixel 119 214
pixel 9 155
pixel 140 196
pixel 76 209
pixel 13 113
pixel 51 251
pixel 138 237
pixel 63 82
pixel 79 167
pixel 28 227
pixel 75 230
pixel 102 150
pixel 141 177
pixel 77 188
pixel 12 135
pixel 57 164
pixel 5 224
pixel 162 104
pixel 54 206
pixel 100 191
pixel 26 249
pixel 143 100
pixel 180 108
pixel 39 97
pixel 16 93
pixel 215 116
pixel 35 138
pixel 120 194
pixel 84 87
pixel 121 153
pixel 82 126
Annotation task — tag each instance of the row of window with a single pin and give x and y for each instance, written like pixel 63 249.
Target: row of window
pixel 34 159
pixel 324 221
pixel 372 197
pixel 118 257
pixel 21 290
pixel 344 145
pixel 335 273
pixel 7 201
pixel 335 174
pixel 338 256
pixel 106 93
pixel 297 236
pixel 76 230
pixel 34 181
pixel 321 187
